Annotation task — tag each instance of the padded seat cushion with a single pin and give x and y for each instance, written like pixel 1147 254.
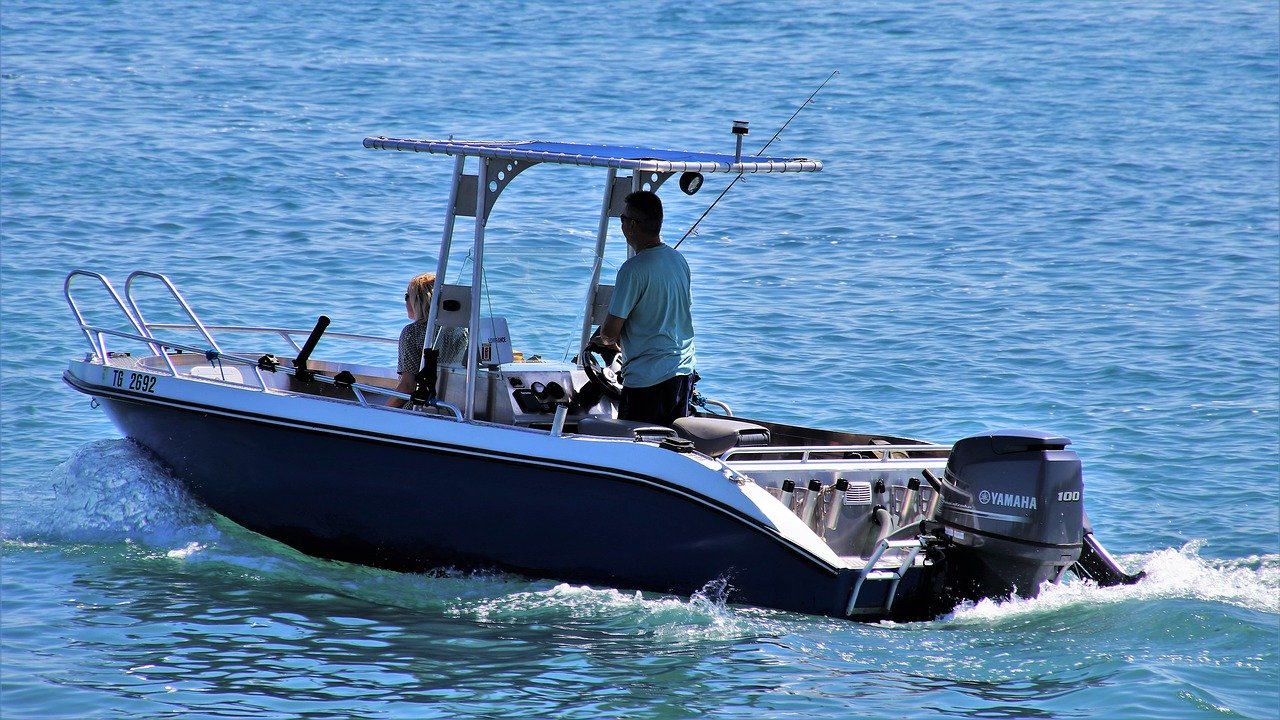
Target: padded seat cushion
pixel 714 435
pixel 605 426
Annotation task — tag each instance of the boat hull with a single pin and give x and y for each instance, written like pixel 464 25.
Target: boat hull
pixel 410 504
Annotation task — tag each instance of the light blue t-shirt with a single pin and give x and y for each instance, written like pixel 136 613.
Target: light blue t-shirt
pixel 652 294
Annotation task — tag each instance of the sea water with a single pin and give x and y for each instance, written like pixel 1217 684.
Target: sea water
pixel 1062 216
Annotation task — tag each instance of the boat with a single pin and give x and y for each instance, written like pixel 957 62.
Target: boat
pixel 506 462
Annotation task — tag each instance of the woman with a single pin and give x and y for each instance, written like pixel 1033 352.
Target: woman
pixel 417 305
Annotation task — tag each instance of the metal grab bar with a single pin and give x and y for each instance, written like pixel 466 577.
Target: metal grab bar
pixel 162 345
pixel 894 575
pixel 97 343
pixel 285 333
pixel 359 388
pixel 727 410
pixel 129 307
pixel 177 296
pixel 804 451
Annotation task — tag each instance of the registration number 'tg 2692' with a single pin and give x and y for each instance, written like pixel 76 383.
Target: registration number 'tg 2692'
pixel 136 381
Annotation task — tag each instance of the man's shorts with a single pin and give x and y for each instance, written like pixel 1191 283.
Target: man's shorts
pixel 659 404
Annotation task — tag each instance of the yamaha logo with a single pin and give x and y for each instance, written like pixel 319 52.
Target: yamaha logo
pixel 1025 502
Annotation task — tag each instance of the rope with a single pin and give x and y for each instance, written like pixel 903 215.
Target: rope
pixel 215 360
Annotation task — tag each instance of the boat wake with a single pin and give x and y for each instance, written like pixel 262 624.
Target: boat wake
pixel 704 616
pixel 1251 583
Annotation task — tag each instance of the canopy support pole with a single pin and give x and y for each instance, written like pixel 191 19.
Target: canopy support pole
pixel 602 234
pixel 446 242
pixel 477 280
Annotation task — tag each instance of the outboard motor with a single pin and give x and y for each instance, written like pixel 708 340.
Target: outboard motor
pixel 1012 509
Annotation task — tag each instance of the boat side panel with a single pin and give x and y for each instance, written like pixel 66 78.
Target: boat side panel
pixel 403 507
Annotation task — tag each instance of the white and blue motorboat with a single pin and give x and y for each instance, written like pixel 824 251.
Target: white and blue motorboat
pixel 520 465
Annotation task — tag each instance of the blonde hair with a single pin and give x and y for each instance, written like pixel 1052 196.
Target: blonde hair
pixel 419 295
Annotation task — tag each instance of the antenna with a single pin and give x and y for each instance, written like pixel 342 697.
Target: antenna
pixel 739 130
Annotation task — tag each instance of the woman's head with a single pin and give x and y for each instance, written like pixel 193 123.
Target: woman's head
pixel 417 298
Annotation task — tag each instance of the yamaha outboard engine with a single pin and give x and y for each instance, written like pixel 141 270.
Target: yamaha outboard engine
pixel 1013 512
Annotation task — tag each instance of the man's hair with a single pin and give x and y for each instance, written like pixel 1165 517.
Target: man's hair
pixel 646 209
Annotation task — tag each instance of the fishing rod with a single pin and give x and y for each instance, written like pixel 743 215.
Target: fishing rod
pixel 759 152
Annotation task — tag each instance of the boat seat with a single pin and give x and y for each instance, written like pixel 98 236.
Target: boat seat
pixel 605 426
pixel 714 435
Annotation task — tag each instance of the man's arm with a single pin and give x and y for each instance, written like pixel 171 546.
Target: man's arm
pixel 609 331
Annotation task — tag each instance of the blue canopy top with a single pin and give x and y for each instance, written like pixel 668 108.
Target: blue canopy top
pixel 643 159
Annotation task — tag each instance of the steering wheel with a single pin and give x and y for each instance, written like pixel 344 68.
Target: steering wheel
pixel 603 365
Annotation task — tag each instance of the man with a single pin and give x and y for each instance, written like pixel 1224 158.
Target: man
pixel 650 315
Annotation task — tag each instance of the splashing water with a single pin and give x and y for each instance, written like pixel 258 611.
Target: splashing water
pixel 704 616
pixel 114 491
pixel 1251 583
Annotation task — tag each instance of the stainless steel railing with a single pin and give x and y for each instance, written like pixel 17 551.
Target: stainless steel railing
pixel 805 453
pixel 144 332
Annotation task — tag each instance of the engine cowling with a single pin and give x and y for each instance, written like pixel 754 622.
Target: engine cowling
pixel 1012 508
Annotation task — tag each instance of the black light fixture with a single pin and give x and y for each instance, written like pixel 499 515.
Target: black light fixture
pixel 690 182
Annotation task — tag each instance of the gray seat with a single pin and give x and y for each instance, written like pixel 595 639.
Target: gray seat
pixel 714 435
pixel 605 426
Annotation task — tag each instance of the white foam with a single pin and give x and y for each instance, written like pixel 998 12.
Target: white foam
pixel 114 491
pixel 185 552
pixel 701 617
pixel 1252 583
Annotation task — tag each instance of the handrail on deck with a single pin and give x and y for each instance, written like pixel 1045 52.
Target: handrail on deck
pixel 96 338
pixel 883 452
pixel 98 343
pixel 182 302
pixel 360 388
pixel 286 334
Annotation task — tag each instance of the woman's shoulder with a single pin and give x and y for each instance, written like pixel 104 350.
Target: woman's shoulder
pixel 413 329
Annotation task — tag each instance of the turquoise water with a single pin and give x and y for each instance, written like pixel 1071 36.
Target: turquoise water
pixel 1031 215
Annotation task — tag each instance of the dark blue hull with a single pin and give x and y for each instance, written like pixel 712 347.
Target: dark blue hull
pixel 409 505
